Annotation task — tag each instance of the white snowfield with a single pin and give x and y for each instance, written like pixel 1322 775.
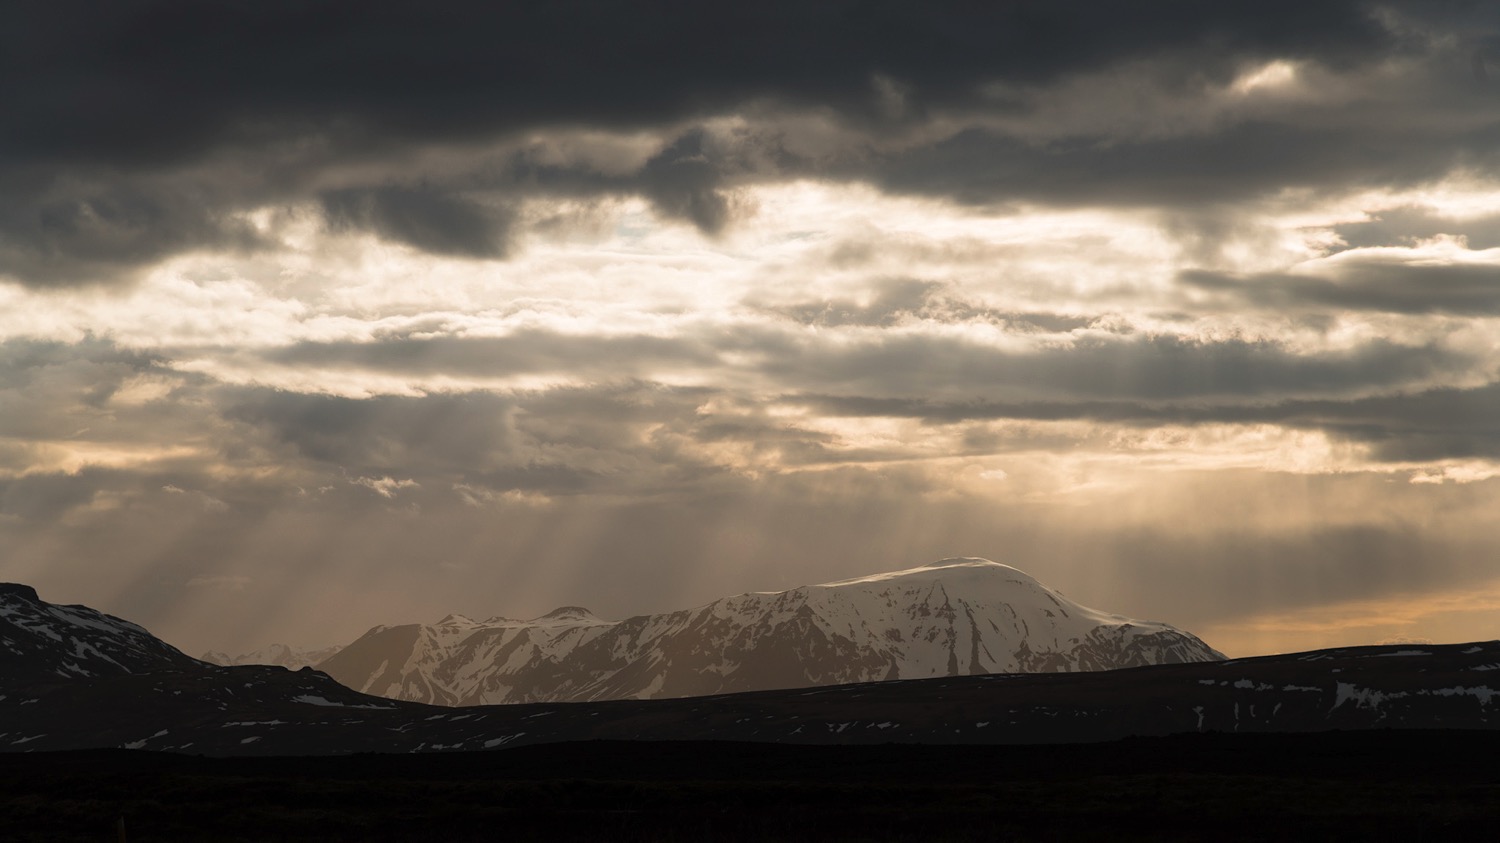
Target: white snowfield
pixel 962 616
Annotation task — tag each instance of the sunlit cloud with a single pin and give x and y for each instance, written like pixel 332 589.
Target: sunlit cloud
pixel 1277 75
pixel 384 486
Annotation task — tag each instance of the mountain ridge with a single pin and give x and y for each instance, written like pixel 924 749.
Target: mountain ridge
pixel 38 639
pixel 956 616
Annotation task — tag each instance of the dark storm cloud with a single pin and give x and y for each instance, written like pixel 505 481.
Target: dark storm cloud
pixel 423 217
pixel 248 103
pixel 683 183
pixel 1243 161
pixel 1460 289
pixel 1486 59
pixel 147 82
pixel 69 232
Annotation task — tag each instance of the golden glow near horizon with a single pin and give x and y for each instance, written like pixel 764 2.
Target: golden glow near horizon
pixel 1213 340
pixel 1441 617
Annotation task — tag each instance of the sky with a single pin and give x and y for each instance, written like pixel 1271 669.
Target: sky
pixel 322 315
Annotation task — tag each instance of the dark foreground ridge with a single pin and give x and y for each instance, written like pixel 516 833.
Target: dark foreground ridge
pixel 73 678
pixel 1348 785
pixel 272 711
pixel 264 753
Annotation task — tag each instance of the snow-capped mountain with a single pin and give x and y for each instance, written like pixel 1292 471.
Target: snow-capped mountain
pixel 953 618
pixel 40 639
pixel 280 655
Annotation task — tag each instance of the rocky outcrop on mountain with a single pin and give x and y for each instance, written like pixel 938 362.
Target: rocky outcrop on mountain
pixel 956 617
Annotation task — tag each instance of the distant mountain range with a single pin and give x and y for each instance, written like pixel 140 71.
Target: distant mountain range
pixel 75 678
pixel 957 617
pixel 279 655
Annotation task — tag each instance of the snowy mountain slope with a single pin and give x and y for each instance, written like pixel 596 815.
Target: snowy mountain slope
pixel 44 639
pixel 279 655
pixel 952 618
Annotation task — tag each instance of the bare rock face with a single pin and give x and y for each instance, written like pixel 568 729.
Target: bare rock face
pixel 957 617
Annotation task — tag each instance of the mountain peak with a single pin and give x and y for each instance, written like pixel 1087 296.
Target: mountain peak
pixel 16 589
pixel 47 639
pixel 569 613
pixel 942 570
pixel 954 617
pixel 963 562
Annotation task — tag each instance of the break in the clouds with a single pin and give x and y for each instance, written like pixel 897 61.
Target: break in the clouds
pixel 1188 309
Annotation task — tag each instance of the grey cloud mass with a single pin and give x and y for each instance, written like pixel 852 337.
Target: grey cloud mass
pixel 238 105
pixel 1420 425
pixel 1405 226
pixel 377 436
pixel 428 219
pixel 525 352
pixel 1143 368
pixel 1187 308
pixel 405 69
pixel 1097 365
pixel 1471 290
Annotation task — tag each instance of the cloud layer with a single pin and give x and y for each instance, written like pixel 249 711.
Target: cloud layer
pixel 1189 309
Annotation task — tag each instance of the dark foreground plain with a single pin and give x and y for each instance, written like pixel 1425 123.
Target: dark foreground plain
pixel 1436 785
